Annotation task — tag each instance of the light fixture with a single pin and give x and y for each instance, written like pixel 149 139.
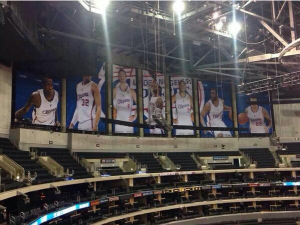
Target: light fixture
pixel 215 15
pixel 234 28
pixel 219 25
pixel 178 7
pixel 95 6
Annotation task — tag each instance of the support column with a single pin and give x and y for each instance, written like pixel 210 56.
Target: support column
pixel 196 106
pixel 234 107
pixel 293 173
pixel 292 22
pixel 157 180
pixel 185 178
pixel 63 105
pixel 109 76
pixel 213 176
pixel 168 102
pixel 140 107
pixel 130 182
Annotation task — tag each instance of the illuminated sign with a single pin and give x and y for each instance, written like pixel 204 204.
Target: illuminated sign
pixel 220 158
pixel 291 183
pixel 59 213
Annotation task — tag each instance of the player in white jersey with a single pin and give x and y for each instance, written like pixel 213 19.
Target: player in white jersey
pixel 123 99
pixel 183 113
pixel 45 103
pixel 257 116
pixel 155 107
pixel 214 108
pixel 88 108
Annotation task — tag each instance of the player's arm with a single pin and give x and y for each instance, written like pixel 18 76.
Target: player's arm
pixel 225 107
pixel 74 119
pixel 133 95
pixel 57 123
pixel 192 109
pixel 174 112
pixel 97 99
pixel 114 104
pixel 268 118
pixel 203 113
pixel 32 101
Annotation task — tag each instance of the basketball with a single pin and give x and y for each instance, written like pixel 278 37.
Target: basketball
pixel 230 114
pixel 243 118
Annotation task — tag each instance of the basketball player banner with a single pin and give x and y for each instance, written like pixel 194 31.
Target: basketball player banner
pixel 254 114
pixel 182 104
pixel 124 98
pixel 215 108
pixel 37 99
pixel 153 99
pixel 86 102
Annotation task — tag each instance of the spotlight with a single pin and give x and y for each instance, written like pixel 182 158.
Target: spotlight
pixel 219 25
pixel 178 7
pixel 215 15
pixel 101 5
pixel 234 28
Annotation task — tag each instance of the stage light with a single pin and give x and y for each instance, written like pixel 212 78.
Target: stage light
pixel 178 7
pixel 219 25
pixel 101 5
pixel 234 28
pixel 215 15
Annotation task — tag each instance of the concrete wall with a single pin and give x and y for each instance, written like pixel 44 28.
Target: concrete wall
pixel 26 138
pixel 287 120
pixel 6 99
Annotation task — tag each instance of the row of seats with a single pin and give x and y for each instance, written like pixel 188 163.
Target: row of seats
pixel 64 158
pixel 261 156
pixel 277 221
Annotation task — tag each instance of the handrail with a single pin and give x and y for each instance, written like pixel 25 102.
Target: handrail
pixel 18 168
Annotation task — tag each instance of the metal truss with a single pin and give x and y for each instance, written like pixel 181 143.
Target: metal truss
pixel 282 81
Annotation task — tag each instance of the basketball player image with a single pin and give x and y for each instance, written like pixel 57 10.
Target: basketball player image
pixel 257 116
pixel 123 99
pixel 88 108
pixel 214 108
pixel 45 103
pixel 183 113
pixel 155 107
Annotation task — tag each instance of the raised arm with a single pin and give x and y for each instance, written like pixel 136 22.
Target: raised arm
pixel 97 99
pixel 114 104
pixel 32 101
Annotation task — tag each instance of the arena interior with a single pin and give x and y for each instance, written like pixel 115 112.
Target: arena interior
pixel 149 112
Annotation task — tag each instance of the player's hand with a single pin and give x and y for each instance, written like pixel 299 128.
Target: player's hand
pixel 57 123
pixel 132 118
pixel 71 126
pixel 267 129
pixel 175 121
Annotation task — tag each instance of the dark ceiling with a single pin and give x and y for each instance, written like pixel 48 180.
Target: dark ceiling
pixel 64 39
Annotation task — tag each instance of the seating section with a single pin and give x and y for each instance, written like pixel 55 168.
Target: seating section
pixel 23 159
pixel 184 159
pixel 64 158
pixel 100 155
pixel 277 221
pixel 214 153
pixel 261 156
pixel 8 183
pixel 291 149
pixel 147 159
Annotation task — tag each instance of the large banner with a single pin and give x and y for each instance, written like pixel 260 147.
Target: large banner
pixel 37 99
pixel 86 102
pixel 124 98
pixel 215 108
pixel 153 99
pixel 254 113
pixel 182 104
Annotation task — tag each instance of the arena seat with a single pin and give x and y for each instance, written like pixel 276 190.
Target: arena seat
pixel 184 159
pixel 23 159
pixel 64 158
pixel 147 159
pixel 261 156
pixel 8 183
